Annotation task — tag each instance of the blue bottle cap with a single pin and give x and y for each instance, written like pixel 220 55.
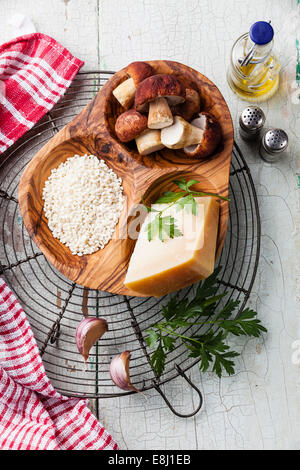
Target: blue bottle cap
pixel 261 33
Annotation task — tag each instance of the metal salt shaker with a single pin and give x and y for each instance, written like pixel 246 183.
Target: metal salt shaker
pixel 273 145
pixel 252 120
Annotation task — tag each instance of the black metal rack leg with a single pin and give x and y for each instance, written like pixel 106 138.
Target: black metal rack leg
pixel 181 415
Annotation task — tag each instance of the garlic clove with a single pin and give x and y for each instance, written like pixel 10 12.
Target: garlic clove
pixel 89 330
pixel 119 372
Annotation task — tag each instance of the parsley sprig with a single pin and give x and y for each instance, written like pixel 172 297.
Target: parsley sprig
pixel 210 347
pixel 165 226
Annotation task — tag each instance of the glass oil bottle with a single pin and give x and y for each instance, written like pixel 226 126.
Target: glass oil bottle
pixel 253 73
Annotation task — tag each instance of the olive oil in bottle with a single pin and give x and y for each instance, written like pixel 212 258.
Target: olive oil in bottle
pixel 253 72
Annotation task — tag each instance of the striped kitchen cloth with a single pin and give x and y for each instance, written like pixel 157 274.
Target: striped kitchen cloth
pixel 35 72
pixel 33 416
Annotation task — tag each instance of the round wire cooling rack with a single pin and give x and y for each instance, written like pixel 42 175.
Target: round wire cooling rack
pixel 54 305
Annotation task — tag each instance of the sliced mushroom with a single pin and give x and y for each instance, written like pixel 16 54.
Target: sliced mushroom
pixel 180 134
pixel 190 107
pixel 211 136
pixel 149 141
pixel 155 94
pixel 130 124
pixel 137 72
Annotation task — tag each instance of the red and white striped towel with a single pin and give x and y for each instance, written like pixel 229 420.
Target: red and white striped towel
pixel 35 72
pixel 33 416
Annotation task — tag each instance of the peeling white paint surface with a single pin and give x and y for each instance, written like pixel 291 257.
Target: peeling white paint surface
pixel 259 407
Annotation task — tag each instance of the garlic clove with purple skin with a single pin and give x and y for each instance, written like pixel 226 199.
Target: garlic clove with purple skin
pixel 119 371
pixel 88 331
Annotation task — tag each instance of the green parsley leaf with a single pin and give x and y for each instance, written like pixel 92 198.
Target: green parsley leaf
pixel 183 200
pixel 188 204
pixel 182 184
pixel 158 360
pixel 152 338
pixel 163 227
pixel 168 197
pixel 180 316
pixel 191 182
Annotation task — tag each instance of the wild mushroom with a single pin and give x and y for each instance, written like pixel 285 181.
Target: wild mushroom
pixel 133 125
pixel 156 93
pixel 137 72
pixel 180 134
pixel 149 141
pixel 130 124
pixel 211 129
pixel 190 107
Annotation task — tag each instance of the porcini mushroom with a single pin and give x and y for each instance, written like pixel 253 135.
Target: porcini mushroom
pixel 130 124
pixel 180 134
pixel 133 125
pixel 137 72
pixel 211 129
pixel 190 107
pixel 156 93
pixel 149 141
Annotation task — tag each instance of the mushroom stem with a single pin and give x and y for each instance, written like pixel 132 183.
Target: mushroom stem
pixel 125 93
pixel 181 134
pixel 149 141
pixel 160 115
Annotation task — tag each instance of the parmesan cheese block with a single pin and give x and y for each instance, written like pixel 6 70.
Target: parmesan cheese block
pixel 157 268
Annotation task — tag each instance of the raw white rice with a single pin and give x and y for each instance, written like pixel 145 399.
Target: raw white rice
pixel 83 202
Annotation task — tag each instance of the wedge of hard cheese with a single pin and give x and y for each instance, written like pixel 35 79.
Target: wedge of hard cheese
pixel 157 268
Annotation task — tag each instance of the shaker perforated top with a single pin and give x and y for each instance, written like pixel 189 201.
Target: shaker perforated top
pixel 261 33
pixel 252 119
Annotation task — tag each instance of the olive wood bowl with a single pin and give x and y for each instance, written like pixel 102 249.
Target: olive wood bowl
pixel 143 177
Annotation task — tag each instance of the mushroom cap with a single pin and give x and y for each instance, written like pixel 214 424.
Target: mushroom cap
pixel 130 124
pixel 211 137
pixel 190 107
pixel 138 71
pixel 161 85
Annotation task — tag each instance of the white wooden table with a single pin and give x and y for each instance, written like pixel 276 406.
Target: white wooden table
pixel 259 407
